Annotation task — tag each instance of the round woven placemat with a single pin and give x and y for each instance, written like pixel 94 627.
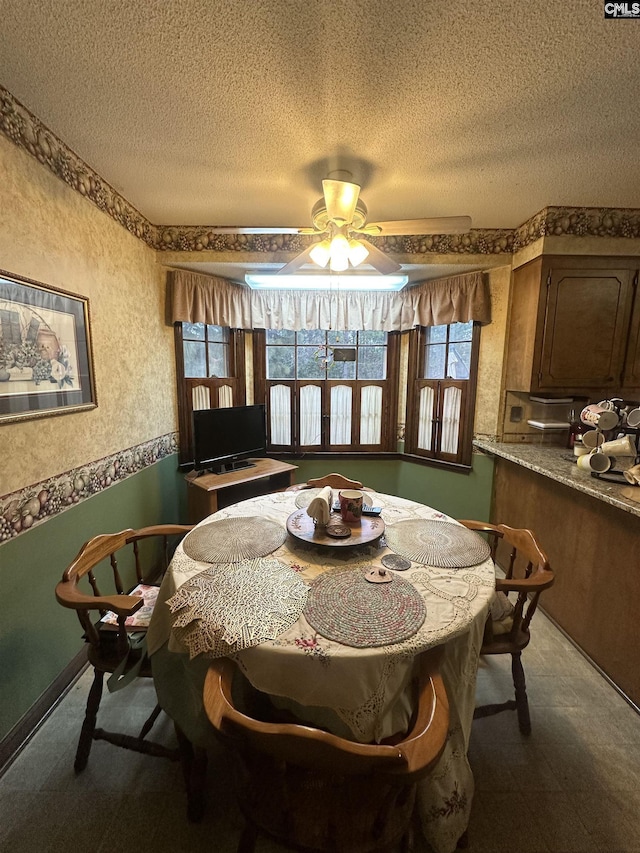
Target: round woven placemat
pixel 437 543
pixel 343 606
pixel 230 540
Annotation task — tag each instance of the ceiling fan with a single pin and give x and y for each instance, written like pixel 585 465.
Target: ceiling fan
pixel 340 217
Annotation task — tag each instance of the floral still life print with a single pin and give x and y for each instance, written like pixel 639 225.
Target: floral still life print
pixel 45 350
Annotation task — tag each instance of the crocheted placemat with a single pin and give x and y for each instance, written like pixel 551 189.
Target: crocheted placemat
pixel 229 608
pixel 230 540
pixel 343 606
pixel 437 543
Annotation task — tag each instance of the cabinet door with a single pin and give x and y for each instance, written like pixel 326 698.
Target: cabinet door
pixel 585 330
pixel 631 380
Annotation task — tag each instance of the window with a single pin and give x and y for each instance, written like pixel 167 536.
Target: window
pixel 441 394
pixel 205 350
pixel 210 374
pixel 327 390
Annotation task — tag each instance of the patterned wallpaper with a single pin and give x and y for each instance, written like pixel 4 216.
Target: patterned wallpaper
pixel 27 132
pixel 48 233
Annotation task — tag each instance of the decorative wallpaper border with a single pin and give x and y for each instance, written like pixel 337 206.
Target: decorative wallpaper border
pixel 27 132
pixel 24 509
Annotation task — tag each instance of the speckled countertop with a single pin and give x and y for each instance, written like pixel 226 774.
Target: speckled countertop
pixel 556 463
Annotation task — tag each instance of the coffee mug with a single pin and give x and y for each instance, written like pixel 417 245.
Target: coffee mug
pixel 596 461
pixel 632 475
pixel 623 446
pixel 351 504
pixel 580 450
pixel 597 416
pixel 633 418
pixel 592 438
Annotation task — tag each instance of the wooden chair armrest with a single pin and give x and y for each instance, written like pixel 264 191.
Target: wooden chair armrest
pixel 423 744
pixel 68 595
pixel 536 582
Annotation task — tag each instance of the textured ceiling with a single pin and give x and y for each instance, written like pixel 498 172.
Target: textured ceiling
pixel 228 112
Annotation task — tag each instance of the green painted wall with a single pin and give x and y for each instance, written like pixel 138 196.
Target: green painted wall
pixel 460 495
pixel 38 638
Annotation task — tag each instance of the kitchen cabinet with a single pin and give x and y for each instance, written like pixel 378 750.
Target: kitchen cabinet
pixel 574 327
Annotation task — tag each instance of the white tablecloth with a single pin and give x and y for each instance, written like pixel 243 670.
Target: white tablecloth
pixel 357 692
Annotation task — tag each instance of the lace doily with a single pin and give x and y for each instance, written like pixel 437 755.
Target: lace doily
pixel 344 607
pixel 231 540
pixel 437 543
pixel 229 608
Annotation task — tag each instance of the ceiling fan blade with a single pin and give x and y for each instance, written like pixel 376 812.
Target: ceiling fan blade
pixel 436 225
pixel 242 229
pixel 340 198
pixel 383 263
pixel 299 261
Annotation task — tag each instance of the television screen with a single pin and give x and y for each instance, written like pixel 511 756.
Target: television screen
pixel 223 438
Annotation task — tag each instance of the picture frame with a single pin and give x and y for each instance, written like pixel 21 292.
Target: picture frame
pixel 46 356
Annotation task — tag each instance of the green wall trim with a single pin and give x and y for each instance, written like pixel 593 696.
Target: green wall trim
pixel 38 638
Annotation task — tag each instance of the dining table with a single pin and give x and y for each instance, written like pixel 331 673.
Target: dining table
pixel 330 626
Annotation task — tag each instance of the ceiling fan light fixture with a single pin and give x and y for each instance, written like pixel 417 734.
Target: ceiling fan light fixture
pixel 339 260
pixel 357 252
pixel 321 253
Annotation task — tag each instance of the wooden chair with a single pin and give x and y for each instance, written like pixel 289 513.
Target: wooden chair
pixel 336 481
pixel 109 646
pixel 527 573
pixel 313 791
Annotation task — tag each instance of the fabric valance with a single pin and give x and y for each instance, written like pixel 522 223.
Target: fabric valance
pixel 197 298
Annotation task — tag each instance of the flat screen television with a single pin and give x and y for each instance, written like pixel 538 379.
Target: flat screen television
pixel 224 438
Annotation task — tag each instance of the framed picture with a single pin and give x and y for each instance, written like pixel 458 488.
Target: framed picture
pixel 46 363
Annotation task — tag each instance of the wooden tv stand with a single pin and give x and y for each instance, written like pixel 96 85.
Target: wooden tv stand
pixel 210 492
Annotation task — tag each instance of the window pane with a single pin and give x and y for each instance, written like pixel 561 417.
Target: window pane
pixel 436 334
pixel 461 331
pixel 341 402
pixel 280 410
pixel 219 334
pixel 434 358
pixel 372 338
pixel 341 339
pixel 341 370
pixel 451 420
pixel 280 362
pixel 195 363
pixel 218 360
pixel 280 336
pixel 372 363
pixel 310 415
pixel 459 361
pixel 371 414
pixel 313 336
pixel 310 365
pixel 193 331
pixel 425 418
